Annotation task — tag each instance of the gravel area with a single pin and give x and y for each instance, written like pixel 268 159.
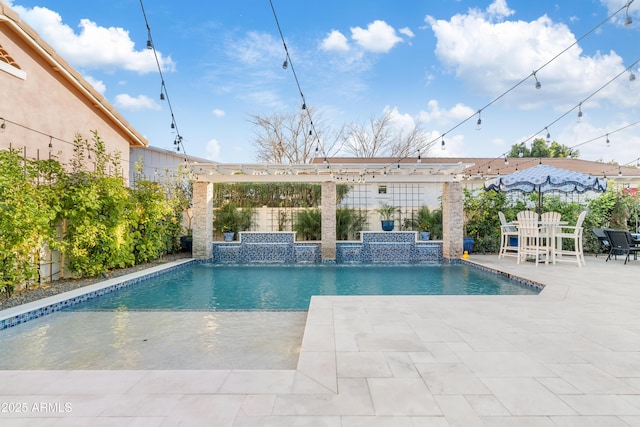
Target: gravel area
pixel 36 292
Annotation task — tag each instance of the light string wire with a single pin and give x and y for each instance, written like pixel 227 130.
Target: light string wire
pixel 58 139
pixel 523 142
pixel 429 144
pixel 289 63
pixel 163 88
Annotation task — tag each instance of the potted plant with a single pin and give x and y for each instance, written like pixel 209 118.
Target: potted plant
pixel 423 222
pixel 228 232
pixel 386 214
pixel 229 219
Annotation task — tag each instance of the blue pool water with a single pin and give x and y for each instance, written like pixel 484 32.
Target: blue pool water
pixel 215 287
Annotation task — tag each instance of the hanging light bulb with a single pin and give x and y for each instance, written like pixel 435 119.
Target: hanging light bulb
pixel 538 84
pixel 479 122
pixel 304 106
pixel 3 125
pixel 419 158
pixel 608 142
pixel 285 64
pixel 632 76
pixel 442 145
pixel 50 142
pixel 548 135
pixel 489 168
pixel 627 20
pixel 619 172
pixel 506 161
pixel 149 42
pixel 520 153
pixel 579 112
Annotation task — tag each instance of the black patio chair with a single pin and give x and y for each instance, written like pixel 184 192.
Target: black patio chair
pixel 605 247
pixel 622 243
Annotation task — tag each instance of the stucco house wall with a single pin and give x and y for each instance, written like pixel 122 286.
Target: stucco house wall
pixel 44 97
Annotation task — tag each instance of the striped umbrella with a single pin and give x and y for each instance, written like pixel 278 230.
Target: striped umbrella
pixel 544 178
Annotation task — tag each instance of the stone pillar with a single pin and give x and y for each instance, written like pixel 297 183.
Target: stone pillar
pixel 202 220
pixel 328 209
pixel 452 219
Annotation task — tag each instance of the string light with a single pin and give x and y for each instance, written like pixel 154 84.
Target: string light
pixel 442 144
pixel 3 125
pixel 538 84
pixel 628 21
pixel 579 112
pixel 479 122
pixel 548 135
pixel 164 94
pixel 534 74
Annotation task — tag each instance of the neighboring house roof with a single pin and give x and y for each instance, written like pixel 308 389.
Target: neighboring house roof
pixel 489 166
pixel 29 35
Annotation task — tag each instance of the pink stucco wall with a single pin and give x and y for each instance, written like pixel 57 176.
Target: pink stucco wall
pixel 49 104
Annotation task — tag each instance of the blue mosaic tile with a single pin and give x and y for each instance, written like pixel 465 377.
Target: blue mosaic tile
pixel 43 311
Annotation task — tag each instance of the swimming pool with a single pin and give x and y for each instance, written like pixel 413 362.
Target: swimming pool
pixel 211 287
pixel 201 316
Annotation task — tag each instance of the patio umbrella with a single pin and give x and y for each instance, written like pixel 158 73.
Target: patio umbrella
pixel 544 178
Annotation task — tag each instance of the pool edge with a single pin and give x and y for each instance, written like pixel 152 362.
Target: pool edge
pixel 23 313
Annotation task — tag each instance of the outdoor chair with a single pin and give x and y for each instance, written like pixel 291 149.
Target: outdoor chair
pixel 622 243
pixel 548 230
pixel 508 232
pixel 602 240
pixel 531 241
pixel 574 233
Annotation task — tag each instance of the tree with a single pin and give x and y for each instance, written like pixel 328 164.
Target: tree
pixel 292 139
pixel 540 148
pixel 382 136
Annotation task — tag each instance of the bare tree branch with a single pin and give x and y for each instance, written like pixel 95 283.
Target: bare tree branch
pixel 290 138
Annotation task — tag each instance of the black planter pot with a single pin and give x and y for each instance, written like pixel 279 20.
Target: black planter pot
pixel 186 243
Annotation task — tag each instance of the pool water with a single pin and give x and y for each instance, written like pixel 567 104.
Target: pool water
pixel 212 287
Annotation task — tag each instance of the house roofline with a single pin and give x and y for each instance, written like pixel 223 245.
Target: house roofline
pixel 58 64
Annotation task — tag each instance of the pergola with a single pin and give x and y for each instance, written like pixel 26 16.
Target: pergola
pixel 328 176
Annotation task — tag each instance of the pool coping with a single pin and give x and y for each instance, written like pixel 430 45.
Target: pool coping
pixel 23 313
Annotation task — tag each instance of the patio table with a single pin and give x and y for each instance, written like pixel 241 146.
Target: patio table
pixel 549 228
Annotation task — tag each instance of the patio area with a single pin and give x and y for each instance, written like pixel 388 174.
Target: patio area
pixel 567 357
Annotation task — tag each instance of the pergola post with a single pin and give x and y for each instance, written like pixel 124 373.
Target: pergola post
pixel 452 219
pixel 328 209
pixel 202 220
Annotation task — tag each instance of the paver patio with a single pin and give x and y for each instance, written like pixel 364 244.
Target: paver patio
pixel 567 357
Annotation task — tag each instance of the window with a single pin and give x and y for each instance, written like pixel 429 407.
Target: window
pixel 9 65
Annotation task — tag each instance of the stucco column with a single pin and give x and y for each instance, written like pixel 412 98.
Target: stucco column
pixel 328 209
pixel 202 220
pixel 452 219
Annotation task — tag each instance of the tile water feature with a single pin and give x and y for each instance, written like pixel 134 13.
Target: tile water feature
pixel 373 247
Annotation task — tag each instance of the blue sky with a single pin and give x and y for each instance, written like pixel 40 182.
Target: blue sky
pixel 431 63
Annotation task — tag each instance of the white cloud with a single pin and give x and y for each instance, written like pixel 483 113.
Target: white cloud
pixel 335 41
pixel 378 37
pixel 139 103
pixel 94 46
pixel 97 84
pixel 256 48
pixel 407 32
pixel 218 112
pixel 438 116
pixel 492 57
pixel 499 9
pixel 212 150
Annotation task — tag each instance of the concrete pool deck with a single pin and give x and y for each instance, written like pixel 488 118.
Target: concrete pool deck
pixel 567 357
